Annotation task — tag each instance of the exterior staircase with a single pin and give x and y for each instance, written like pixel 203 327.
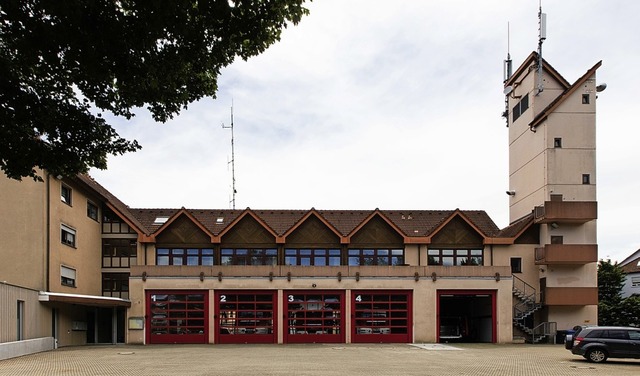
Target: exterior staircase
pixel 523 313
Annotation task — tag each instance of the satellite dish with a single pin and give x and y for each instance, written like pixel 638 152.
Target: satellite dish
pixel 601 87
pixel 507 90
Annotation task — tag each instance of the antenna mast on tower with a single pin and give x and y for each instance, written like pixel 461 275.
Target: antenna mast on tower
pixel 542 35
pixel 232 162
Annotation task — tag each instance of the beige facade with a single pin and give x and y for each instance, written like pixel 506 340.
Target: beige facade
pixel 89 269
pixel 552 172
pixel 52 245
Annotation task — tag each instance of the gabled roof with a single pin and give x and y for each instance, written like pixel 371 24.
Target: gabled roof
pixel 413 225
pixel 562 97
pixel 248 213
pixel 312 213
pixel 377 213
pixel 478 227
pixel 533 59
pixel 516 228
pixel 177 215
pixel 113 203
pixel 632 263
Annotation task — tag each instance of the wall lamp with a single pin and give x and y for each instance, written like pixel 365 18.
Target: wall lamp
pixel 511 193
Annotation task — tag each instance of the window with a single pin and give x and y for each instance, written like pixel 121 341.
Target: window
pixel 160 220
pixel 115 285
pixel 585 98
pixel 557 239
pixel 67 276
pixel 119 253
pixel 586 179
pixel 309 257
pixel 516 265
pixel 556 197
pixel 557 142
pixel 65 194
pixel 184 256
pixel 455 257
pixel 248 256
pixel 521 107
pixel 635 281
pixel 20 320
pixel 92 210
pixel 112 224
pixel 363 257
pixel 67 235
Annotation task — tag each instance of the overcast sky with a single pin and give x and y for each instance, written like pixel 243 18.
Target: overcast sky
pixel 393 105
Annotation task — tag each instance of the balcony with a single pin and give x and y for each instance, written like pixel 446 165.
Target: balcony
pixel 567 254
pixel 566 212
pixel 570 296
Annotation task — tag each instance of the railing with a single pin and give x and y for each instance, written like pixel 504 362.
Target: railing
pixel 543 330
pixel 527 295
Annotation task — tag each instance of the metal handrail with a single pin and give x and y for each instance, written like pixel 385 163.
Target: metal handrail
pixel 527 304
pixel 544 329
pixel 528 291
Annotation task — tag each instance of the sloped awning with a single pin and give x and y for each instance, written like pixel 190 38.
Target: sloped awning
pixel 84 300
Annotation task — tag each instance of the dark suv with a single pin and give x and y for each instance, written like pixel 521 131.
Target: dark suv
pixel 597 343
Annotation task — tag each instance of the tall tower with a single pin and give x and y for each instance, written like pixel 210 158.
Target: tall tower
pixel 552 177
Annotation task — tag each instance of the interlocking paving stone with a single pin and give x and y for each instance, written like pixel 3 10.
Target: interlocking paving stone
pixel 314 359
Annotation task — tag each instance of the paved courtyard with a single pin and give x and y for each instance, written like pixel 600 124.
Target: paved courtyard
pixel 315 359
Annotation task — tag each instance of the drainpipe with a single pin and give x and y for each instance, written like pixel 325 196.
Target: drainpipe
pixel 491 250
pixel 48 236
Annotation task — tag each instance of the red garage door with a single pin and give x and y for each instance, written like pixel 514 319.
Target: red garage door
pixel 177 317
pixel 245 317
pixel 381 316
pixel 314 317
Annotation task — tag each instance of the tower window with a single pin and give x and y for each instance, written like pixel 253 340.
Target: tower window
pixel 586 179
pixel 516 265
pixel 521 107
pixel 557 142
pixel 585 98
pixel 557 239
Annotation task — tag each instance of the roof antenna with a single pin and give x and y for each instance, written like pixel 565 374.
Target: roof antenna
pixel 232 162
pixel 542 35
pixel 507 71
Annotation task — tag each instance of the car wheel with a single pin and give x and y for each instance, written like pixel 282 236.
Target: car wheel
pixel 596 355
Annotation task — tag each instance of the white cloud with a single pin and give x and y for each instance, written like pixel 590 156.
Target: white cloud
pixel 394 105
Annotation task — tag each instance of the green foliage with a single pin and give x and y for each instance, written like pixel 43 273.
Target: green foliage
pixel 64 62
pixel 612 308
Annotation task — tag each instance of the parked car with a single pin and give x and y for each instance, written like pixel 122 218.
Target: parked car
pixel 598 343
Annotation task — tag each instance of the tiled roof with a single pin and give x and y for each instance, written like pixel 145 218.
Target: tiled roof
pixel 111 199
pixel 562 97
pixel 515 228
pixel 533 59
pixel 412 223
pixel 632 263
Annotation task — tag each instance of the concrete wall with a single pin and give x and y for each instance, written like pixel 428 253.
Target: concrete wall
pixel 23 232
pixel 86 256
pixel 26 347
pixel 37 317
